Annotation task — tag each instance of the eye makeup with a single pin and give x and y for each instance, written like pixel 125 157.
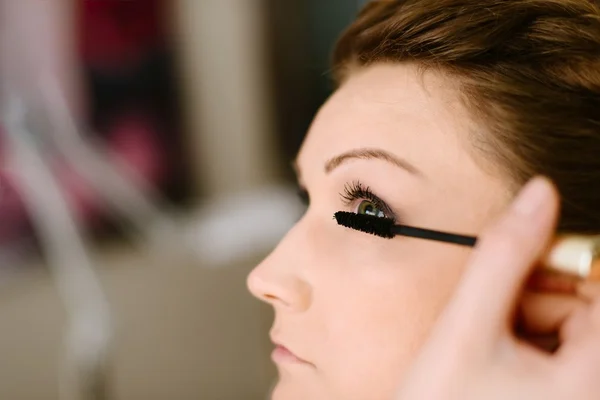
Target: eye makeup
pixel 357 196
pixel 356 191
pixel 387 229
pixel 574 255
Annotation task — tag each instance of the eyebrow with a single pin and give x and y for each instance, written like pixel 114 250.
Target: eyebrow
pixel 371 154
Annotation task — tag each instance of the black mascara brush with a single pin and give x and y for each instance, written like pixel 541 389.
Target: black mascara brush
pixel 385 228
pixel 570 254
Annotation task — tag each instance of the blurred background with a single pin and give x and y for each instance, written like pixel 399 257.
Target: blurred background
pixel 145 171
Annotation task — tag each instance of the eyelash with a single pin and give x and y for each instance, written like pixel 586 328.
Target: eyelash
pixel 352 192
pixel 356 191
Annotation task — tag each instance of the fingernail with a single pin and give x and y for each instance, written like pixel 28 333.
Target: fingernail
pixel 531 197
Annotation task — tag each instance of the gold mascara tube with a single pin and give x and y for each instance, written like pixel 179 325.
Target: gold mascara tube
pixel 574 255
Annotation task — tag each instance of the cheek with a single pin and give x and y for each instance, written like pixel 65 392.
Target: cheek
pixel 378 317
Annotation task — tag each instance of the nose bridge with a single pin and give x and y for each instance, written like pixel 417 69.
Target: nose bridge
pixel 280 279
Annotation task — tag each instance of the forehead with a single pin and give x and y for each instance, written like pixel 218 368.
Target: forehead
pixel 392 107
pixel 418 117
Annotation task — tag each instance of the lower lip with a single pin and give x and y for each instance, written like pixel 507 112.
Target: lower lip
pixel 281 355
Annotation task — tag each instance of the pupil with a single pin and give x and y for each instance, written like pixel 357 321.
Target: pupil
pixel 368 208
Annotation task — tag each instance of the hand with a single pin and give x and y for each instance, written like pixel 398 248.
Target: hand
pixel 473 352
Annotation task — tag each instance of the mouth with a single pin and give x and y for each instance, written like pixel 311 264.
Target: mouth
pixel 283 355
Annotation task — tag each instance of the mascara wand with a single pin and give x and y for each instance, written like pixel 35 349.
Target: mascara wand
pixel 387 229
pixel 570 254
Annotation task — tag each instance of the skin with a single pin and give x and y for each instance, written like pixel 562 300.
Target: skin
pixel 473 352
pixel 356 307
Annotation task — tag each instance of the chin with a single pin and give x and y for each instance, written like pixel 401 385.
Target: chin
pixel 284 392
pixel 286 389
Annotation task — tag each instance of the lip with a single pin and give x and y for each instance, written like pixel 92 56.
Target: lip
pixel 283 355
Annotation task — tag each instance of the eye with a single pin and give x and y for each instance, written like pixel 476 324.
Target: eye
pixel 368 202
pixel 368 208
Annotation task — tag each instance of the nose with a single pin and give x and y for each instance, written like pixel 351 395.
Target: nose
pixel 279 279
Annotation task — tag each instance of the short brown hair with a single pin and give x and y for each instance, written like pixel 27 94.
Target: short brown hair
pixel 529 71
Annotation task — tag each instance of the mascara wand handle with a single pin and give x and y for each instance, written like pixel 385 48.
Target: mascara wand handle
pixel 429 234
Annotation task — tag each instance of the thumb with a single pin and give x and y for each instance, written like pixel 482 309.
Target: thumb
pixel 505 255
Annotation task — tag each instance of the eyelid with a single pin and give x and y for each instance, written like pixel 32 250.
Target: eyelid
pixel 356 191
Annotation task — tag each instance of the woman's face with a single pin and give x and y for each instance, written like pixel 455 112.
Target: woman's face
pixel 353 306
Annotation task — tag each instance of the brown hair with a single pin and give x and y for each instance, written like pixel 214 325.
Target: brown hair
pixel 529 71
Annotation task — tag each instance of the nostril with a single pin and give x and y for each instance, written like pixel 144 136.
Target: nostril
pixel 270 297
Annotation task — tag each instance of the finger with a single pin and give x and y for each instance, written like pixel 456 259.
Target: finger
pixel 551 299
pixel 584 320
pixel 579 354
pixel 550 282
pixel 502 261
pixel 582 324
pixel 576 326
pixel 589 291
pixel 545 313
pixel 594 315
pixel 546 343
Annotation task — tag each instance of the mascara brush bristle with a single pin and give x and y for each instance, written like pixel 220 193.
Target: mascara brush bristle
pixel 377 226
